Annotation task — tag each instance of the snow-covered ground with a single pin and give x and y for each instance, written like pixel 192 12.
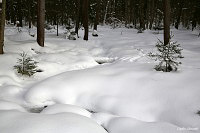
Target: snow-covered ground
pixel 106 84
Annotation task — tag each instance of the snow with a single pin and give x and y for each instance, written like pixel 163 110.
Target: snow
pixel 12 121
pixel 108 81
pixel 4 105
pixel 63 108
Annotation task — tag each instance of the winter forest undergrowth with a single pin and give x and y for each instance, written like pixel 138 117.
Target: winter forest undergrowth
pixel 123 93
pixel 107 66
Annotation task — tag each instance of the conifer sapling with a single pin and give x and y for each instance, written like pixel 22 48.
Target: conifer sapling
pixel 26 65
pixel 167 56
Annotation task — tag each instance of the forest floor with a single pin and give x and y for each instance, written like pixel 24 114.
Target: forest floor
pixel 106 84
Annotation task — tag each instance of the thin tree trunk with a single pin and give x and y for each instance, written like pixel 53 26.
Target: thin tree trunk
pixel 57 25
pixel 106 12
pixel 166 21
pixel 20 13
pixel 97 15
pixel 85 19
pixel 153 10
pixel 142 15
pixel 2 24
pixel 78 2
pixel 40 22
pixel 179 14
pixel 29 15
pixel 127 13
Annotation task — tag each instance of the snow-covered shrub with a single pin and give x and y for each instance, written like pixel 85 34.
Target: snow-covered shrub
pixel 48 27
pixel 140 30
pixel 114 22
pixel 95 33
pixel 26 65
pixel 71 35
pixel 167 55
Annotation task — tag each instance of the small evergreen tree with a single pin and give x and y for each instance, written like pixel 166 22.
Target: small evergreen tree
pixel 26 65
pixel 167 55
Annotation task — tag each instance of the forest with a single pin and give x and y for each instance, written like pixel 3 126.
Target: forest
pixel 103 66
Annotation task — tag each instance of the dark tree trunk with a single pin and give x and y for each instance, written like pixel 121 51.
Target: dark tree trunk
pixel 29 15
pixel 19 14
pixel 179 14
pixel 127 13
pixel 40 22
pixel 97 15
pixel 85 18
pixel 166 21
pixel 13 19
pixel 57 25
pixel 2 24
pixel 152 14
pixel 78 2
pixel 142 15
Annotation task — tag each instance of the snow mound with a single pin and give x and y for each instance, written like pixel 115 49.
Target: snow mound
pixel 128 125
pixel 116 124
pixel 4 105
pixel 42 123
pixel 111 88
pixel 64 108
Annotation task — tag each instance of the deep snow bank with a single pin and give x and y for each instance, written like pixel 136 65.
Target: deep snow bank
pixel 123 89
pixel 17 122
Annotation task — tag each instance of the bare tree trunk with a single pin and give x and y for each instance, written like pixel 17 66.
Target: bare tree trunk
pixel 40 22
pixel 127 13
pixel 57 25
pixel 106 12
pixel 85 18
pixel 97 14
pixel 153 8
pixel 166 21
pixel 179 14
pixel 2 24
pixel 19 14
pixel 29 15
pixel 78 2
pixel 142 15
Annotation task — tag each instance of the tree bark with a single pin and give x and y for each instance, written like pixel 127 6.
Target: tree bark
pixel 85 19
pixel 179 14
pixel 142 14
pixel 19 14
pixel 106 12
pixel 2 24
pixel 152 14
pixel 78 2
pixel 97 14
pixel 166 21
pixel 40 22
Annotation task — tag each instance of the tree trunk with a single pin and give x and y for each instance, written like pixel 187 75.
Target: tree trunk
pixel 57 26
pixel 166 21
pixel 2 24
pixel 29 15
pixel 106 12
pixel 85 19
pixel 19 15
pixel 127 13
pixel 78 2
pixel 97 15
pixel 142 14
pixel 179 14
pixel 40 22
